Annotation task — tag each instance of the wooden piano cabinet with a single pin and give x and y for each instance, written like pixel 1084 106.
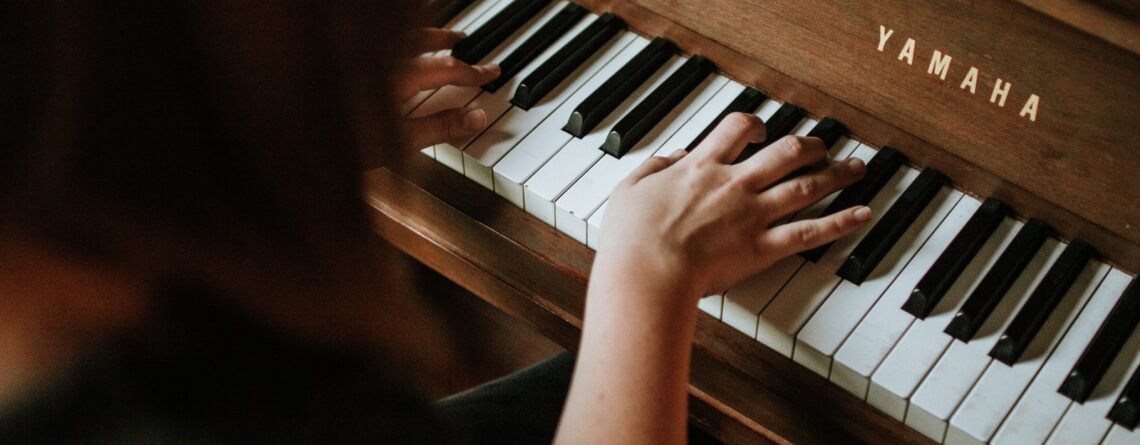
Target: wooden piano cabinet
pixel 1069 157
pixel 1076 166
pixel 740 391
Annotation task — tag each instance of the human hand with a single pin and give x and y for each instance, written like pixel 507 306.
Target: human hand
pixel 698 222
pixel 430 71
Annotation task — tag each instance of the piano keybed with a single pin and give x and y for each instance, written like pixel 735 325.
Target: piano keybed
pixel 1024 326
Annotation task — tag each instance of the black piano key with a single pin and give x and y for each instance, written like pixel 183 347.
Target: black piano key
pixel 778 125
pixel 1041 303
pixel 478 44
pixel 444 11
pixel 886 233
pixel 552 72
pixel 1126 411
pixel 618 87
pixel 652 110
pixel 828 130
pixel 1013 260
pixel 534 45
pixel 1098 355
pixel 942 274
pixel 882 167
pixel 745 102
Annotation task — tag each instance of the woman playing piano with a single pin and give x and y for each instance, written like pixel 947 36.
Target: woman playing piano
pixel 186 257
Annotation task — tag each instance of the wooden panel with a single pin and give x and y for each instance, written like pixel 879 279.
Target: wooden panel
pixel 1114 23
pixel 1075 167
pixel 740 390
pixel 1084 136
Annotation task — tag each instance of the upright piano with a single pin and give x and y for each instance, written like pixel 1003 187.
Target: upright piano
pixel 992 300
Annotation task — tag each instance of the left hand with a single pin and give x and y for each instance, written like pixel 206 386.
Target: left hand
pixel 430 71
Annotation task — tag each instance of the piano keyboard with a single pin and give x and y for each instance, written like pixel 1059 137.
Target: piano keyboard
pixel 944 312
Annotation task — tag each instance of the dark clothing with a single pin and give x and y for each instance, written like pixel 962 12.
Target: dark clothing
pixel 204 373
pixel 521 408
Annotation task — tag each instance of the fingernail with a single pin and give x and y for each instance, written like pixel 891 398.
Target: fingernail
pixel 857 165
pixel 863 214
pixel 459 34
pixel 489 68
pixel 474 120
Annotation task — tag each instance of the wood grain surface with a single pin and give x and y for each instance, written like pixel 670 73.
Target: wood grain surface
pixel 1077 167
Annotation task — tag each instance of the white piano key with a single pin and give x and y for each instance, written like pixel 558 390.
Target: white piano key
pixel 825 331
pixel 588 192
pixel 456 97
pixel 471 17
pixel 711 305
pixel 541 144
pixel 768 108
pixel 1041 407
pixel 467 20
pixel 506 123
pixel 999 388
pixel 1088 423
pixel 874 337
pixel 697 123
pixel 900 373
pixel 956 372
pixel 550 181
pixel 451 153
pixel 594 231
pixel 1122 436
pixel 804 127
pixel 814 282
pixel 744 302
pixel 483 153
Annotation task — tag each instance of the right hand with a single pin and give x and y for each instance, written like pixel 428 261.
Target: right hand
pixel 703 224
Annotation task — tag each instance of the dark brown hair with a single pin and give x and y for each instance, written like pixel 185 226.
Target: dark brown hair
pixel 222 141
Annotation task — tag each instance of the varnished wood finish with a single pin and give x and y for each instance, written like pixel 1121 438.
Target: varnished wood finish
pixel 741 391
pixel 1076 167
pixel 1108 22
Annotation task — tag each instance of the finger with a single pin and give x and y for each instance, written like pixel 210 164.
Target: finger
pixel 676 155
pixel 437 39
pixel 780 159
pixel 792 195
pixel 455 126
pixel 430 72
pixel 655 164
pixel 799 236
pixel 730 136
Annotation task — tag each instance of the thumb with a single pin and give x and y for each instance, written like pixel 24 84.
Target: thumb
pixel 455 125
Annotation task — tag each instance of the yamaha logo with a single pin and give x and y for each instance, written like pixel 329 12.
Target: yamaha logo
pixel 941 67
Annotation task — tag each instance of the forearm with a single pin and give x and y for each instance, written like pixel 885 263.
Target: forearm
pixel 630 383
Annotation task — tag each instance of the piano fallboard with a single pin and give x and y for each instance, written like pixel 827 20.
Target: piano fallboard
pixel 1077 165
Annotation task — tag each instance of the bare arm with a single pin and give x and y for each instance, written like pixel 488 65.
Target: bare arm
pixel 677 229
